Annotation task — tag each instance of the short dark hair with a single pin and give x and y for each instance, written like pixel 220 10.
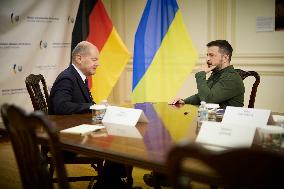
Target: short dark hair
pixel 224 47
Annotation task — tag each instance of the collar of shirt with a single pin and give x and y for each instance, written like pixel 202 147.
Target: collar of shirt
pixel 228 68
pixel 80 73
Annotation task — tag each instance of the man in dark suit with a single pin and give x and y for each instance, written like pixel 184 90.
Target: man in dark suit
pixel 69 93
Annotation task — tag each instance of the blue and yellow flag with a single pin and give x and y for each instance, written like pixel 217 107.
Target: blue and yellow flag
pixel 164 55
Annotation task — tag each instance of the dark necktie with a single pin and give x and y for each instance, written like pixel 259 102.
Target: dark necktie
pixel 86 84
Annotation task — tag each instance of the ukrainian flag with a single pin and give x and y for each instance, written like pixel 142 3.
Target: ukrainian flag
pixel 164 54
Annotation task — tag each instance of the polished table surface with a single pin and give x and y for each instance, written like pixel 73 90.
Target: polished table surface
pixel 167 125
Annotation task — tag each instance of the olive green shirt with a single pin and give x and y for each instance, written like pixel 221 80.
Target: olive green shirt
pixel 224 87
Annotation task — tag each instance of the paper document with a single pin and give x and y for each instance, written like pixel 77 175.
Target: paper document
pixel 83 129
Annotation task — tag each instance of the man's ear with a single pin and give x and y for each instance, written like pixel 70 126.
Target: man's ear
pixel 226 58
pixel 78 58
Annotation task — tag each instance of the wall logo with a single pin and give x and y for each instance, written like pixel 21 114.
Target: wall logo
pixel 14 18
pixel 17 68
pixel 71 19
pixel 42 44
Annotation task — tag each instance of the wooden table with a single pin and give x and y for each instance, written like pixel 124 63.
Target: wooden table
pixel 167 126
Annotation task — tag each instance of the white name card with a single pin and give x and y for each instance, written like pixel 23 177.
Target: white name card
pixel 226 134
pixel 122 130
pixel 121 121
pixel 246 116
pixel 123 116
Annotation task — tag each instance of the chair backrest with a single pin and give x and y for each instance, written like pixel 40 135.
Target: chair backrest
pixel 22 130
pixel 236 168
pixel 35 91
pixel 245 74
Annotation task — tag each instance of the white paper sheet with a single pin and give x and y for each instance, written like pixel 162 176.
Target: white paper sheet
pixel 83 129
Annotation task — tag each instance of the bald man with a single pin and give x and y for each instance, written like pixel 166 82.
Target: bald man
pixel 69 93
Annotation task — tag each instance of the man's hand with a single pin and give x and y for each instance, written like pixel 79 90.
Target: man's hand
pixel 176 101
pixel 207 67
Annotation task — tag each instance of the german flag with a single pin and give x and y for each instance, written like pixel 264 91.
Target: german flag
pixel 94 25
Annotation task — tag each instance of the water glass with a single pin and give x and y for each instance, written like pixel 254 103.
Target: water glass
pixel 271 136
pixel 98 112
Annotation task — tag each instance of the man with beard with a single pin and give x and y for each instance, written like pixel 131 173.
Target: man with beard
pixel 225 86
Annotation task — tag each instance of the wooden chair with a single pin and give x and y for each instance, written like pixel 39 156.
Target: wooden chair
pixel 35 84
pixel 236 168
pixel 35 91
pixel 245 74
pixel 32 165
